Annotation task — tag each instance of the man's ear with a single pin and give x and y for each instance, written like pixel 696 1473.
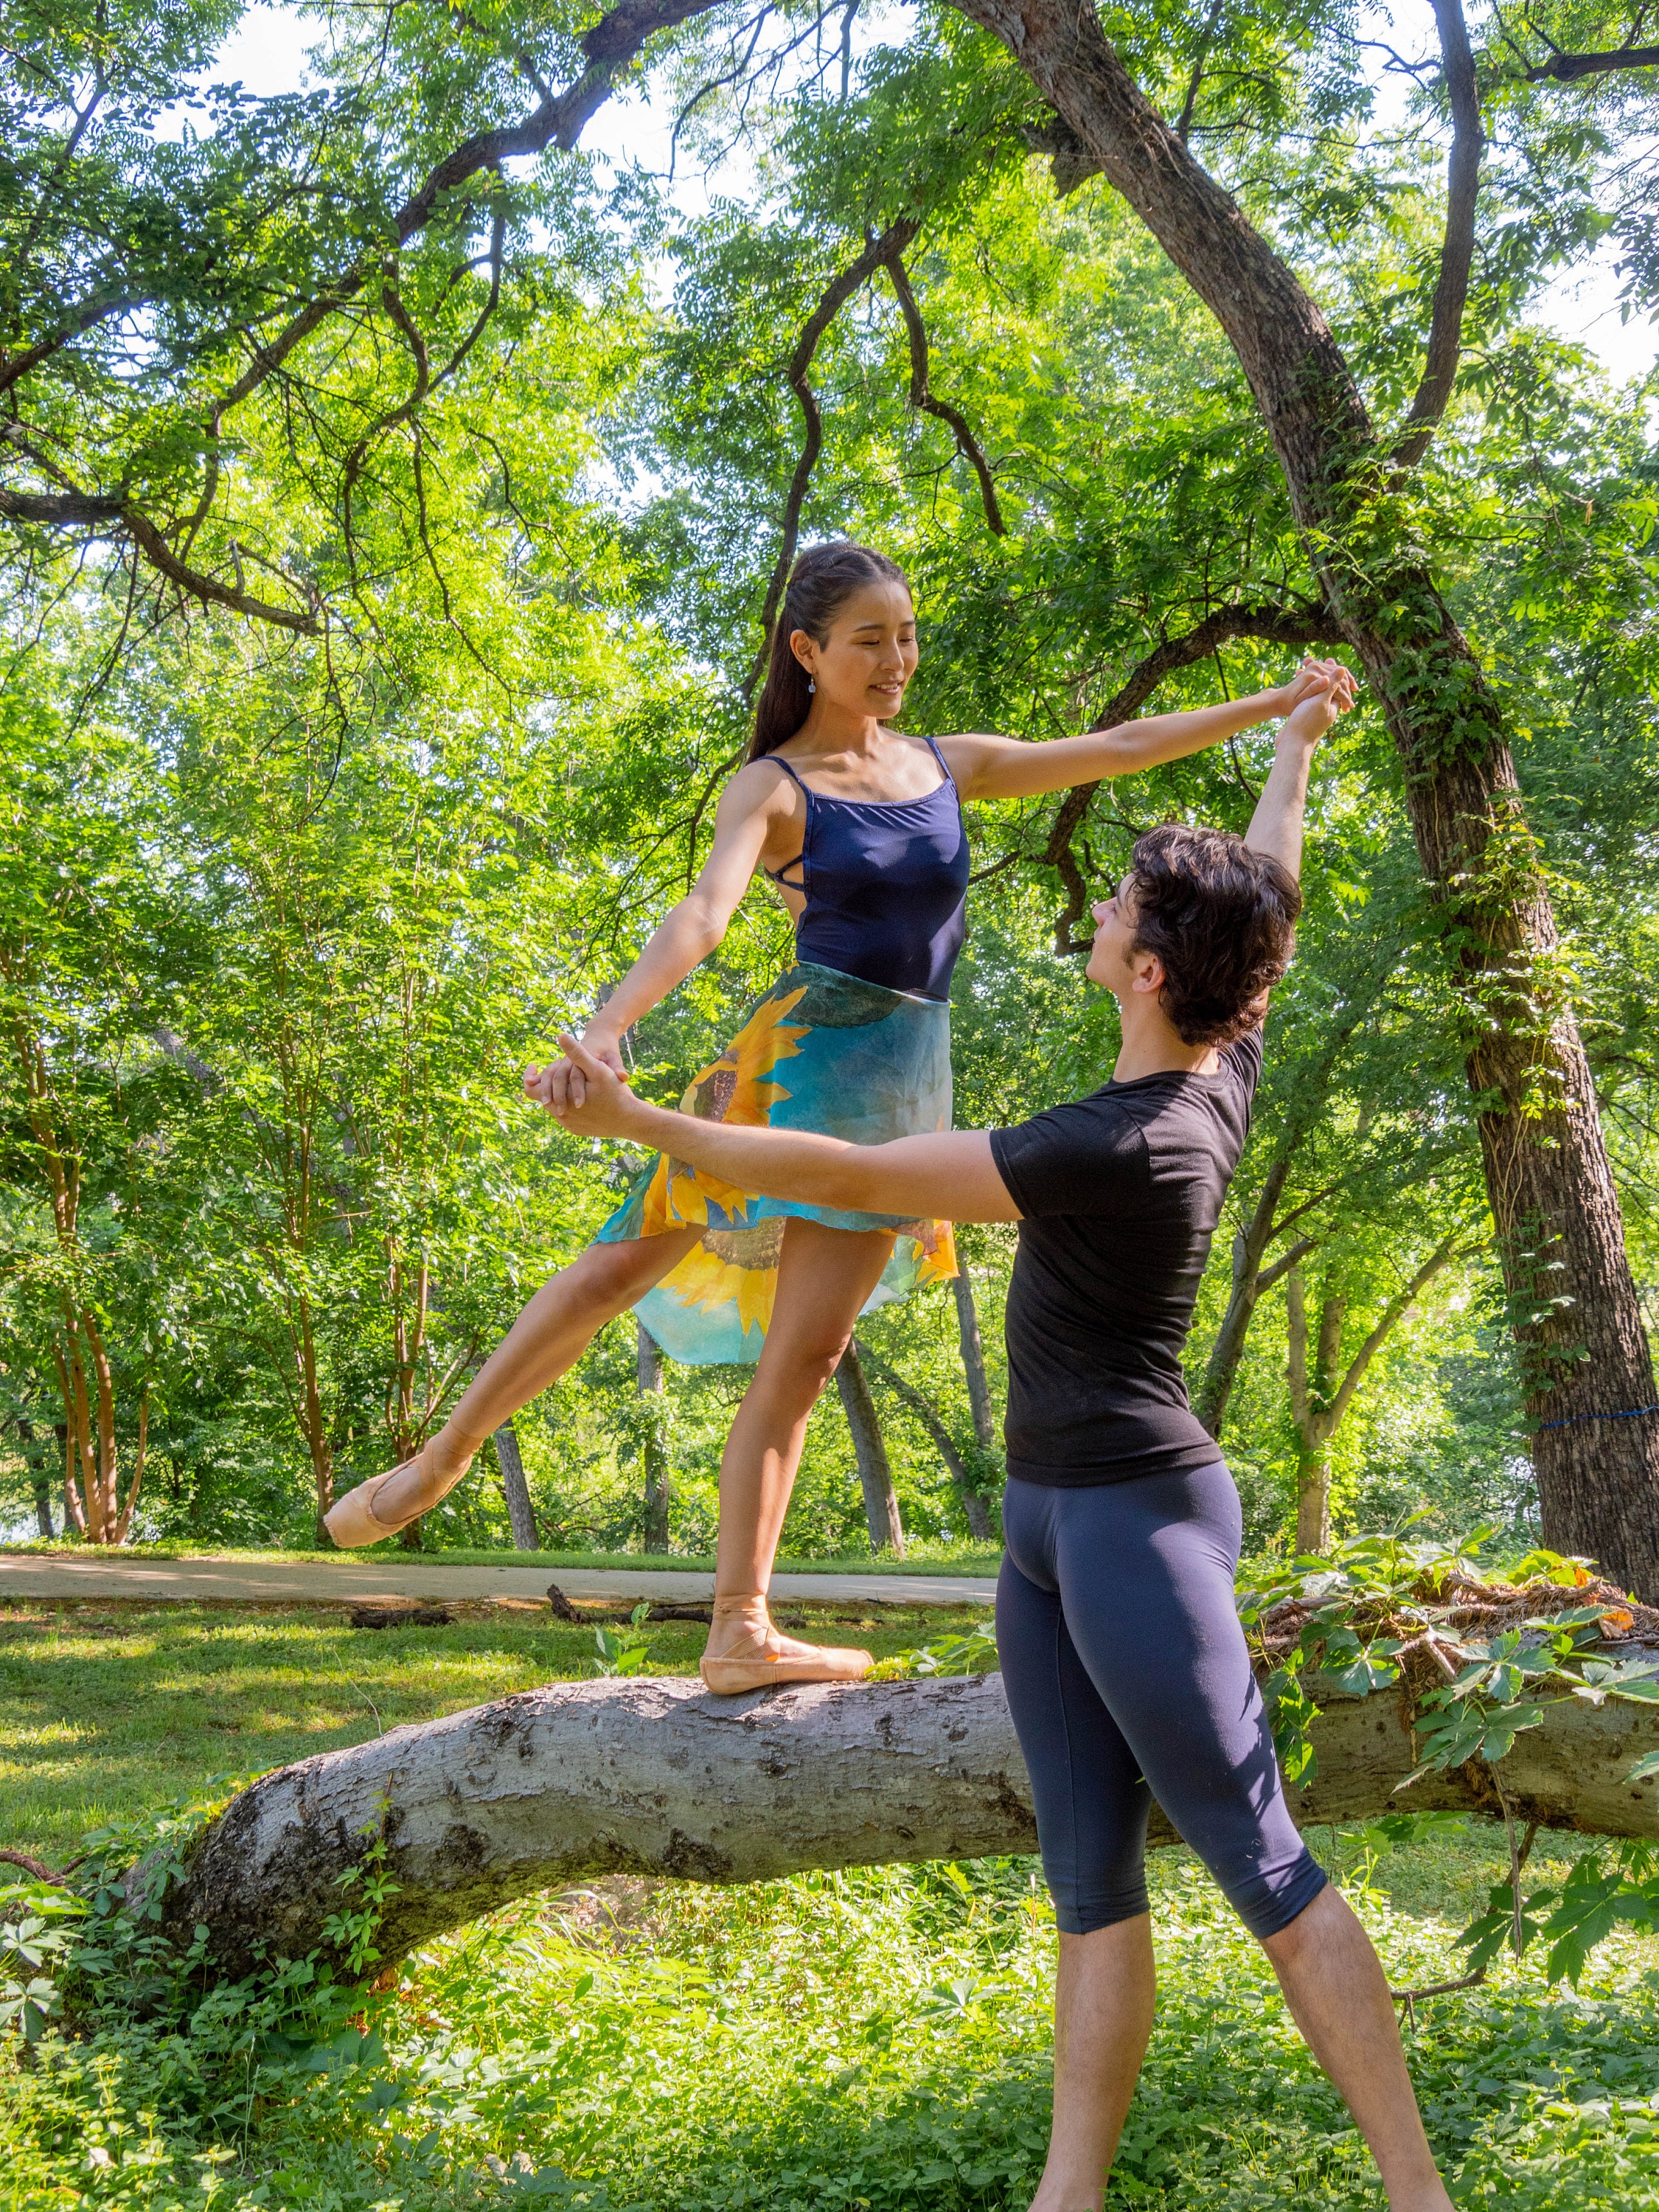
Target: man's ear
pixel 1146 972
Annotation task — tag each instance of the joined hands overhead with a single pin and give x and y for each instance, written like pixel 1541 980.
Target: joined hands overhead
pixel 1318 692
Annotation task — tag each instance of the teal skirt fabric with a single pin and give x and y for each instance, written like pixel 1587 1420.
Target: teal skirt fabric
pixel 820 1051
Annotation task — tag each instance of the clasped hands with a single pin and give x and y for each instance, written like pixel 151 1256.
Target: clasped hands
pixel 587 1095
pixel 1328 683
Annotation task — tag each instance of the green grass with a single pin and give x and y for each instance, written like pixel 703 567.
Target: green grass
pixel 924 1559
pixel 107 1707
pixel 877 2041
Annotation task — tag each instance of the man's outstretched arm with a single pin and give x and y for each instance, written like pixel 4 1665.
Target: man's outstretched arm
pixel 950 1177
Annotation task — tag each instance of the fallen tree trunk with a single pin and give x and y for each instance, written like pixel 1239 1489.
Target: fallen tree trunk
pixel 656 1776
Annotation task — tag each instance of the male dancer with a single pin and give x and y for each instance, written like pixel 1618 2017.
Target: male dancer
pixel 1122 1656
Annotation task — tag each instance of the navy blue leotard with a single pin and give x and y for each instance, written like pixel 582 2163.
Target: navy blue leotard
pixel 886 885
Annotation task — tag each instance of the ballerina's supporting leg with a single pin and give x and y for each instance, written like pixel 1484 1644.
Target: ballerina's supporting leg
pixel 547 1339
pixel 825 1276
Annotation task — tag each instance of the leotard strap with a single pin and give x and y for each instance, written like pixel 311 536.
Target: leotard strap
pixel 782 875
pixel 945 765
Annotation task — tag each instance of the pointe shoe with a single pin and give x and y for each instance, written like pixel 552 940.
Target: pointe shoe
pixel 756 1668
pixel 352 1520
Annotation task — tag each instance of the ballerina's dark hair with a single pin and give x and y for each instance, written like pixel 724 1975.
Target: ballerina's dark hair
pixel 820 583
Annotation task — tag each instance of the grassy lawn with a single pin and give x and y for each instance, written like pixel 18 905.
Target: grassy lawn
pixel 922 1559
pixel 110 1706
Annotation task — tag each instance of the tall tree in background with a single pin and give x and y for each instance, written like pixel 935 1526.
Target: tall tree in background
pixel 85 1101
pixel 1587 1368
pixel 881 1505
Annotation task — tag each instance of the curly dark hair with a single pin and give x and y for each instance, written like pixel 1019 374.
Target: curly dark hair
pixel 1222 919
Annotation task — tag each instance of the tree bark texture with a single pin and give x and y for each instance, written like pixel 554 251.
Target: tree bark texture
pixel 881 1505
pixel 657 1776
pixel 1313 1408
pixel 973 1362
pixel 521 1517
pixel 654 1448
pixel 975 1510
pixel 1587 1368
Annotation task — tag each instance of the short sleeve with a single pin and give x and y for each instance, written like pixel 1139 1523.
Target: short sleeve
pixel 1085 1158
pixel 1243 1058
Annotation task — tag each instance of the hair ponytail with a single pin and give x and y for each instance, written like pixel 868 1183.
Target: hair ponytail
pixel 821 581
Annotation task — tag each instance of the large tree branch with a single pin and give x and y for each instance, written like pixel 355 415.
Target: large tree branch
pixel 1306 392
pixel 199 584
pixel 119 517
pixel 656 1776
pixel 614 41
pixel 610 47
pixel 13 367
pixel 922 395
pixel 840 289
pixel 1568 68
pixel 1457 250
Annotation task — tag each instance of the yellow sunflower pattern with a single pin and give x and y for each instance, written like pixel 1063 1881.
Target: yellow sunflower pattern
pixel 734 1089
pixel 869 1064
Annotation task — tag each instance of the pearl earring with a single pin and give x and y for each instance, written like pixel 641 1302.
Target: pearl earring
pixel 810 684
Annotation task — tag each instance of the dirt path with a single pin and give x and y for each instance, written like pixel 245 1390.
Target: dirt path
pixel 354 1582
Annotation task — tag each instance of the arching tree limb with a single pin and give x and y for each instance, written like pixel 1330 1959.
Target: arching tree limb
pixel 922 395
pixel 1294 625
pixel 834 298
pixel 1569 69
pixel 610 47
pixel 1457 250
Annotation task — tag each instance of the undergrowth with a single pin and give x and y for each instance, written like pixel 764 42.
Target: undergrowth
pixel 876 2041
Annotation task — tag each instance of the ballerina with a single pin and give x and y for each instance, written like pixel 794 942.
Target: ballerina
pixel 861 827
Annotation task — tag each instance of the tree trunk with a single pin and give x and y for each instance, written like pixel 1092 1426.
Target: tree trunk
pixel 975 1510
pixel 656 1776
pixel 973 1361
pixel 1252 1280
pixel 881 1506
pixel 39 1480
pixel 1319 1402
pixel 653 1441
pixel 1587 1368
pixel 1312 1410
pixel 521 1515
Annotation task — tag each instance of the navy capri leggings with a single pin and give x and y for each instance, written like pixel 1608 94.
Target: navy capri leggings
pixel 1125 1666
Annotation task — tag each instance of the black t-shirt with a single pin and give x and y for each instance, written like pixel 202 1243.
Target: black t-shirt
pixel 1121 1194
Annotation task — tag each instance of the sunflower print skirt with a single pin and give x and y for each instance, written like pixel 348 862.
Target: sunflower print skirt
pixel 856 1061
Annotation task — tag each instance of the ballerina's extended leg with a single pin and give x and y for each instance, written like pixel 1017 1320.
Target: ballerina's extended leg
pixel 548 1338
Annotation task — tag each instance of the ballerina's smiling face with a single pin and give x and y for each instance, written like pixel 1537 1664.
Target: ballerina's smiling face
pixel 865 664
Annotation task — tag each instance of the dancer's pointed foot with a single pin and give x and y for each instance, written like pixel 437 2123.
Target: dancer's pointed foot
pixel 387 1503
pixel 745 1652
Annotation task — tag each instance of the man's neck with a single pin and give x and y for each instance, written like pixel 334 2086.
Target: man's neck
pixel 1152 1045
